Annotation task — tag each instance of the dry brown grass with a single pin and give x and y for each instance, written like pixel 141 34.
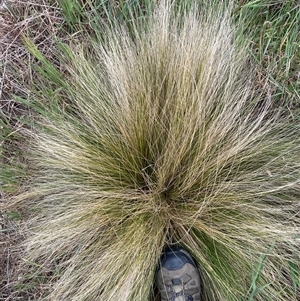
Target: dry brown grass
pixel 41 22
pixel 36 20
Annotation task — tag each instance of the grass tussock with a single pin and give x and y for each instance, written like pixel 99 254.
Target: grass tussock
pixel 156 136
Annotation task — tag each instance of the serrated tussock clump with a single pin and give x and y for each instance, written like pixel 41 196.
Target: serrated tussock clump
pixel 157 136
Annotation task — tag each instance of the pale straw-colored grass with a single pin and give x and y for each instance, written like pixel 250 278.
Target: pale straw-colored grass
pixel 157 136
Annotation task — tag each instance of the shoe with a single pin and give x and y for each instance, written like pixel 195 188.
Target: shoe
pixel 177 277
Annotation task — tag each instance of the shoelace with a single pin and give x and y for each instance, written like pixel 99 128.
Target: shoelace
pixel 173 296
